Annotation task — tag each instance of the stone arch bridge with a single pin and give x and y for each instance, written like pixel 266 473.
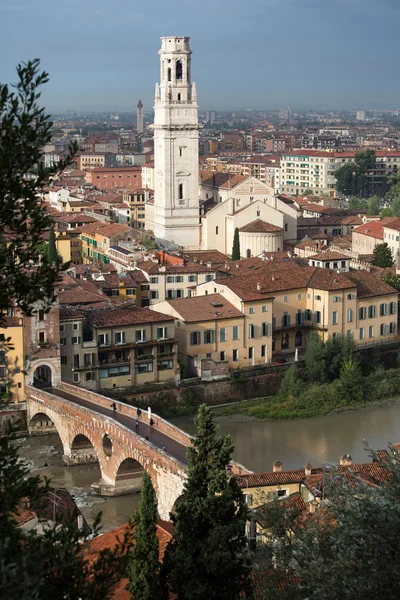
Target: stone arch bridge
pixel 91 431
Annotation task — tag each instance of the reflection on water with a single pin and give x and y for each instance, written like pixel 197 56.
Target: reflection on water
pixel 258 444
pixel 44 456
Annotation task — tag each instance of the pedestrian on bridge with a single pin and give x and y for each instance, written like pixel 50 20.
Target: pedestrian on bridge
pixel 137 426
pixel 114 407
pixel 151 422
pixel 139 412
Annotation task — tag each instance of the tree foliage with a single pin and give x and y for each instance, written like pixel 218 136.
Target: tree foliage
pixel 373 205
pixel 386 212
pixel 356 203
pixel 325 360
pixel 382 256
pixel 352 178
pixel 53 565
pixel 236 245
pixel 52 254
pixel 25 274
pixel 347 549
pixel 144 567
pixel 393 280
pixel 206 558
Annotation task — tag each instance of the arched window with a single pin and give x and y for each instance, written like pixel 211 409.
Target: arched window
pixel 179 97
pixel 180 191
pixel 285 226
pixel 178 70
pixel 248 253
pixel 169 73
pixel 258 213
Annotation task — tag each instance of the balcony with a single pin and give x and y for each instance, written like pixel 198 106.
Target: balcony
pixel 144 357
pixel 89 344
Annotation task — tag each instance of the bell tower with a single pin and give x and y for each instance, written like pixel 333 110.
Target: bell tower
pixel 176 147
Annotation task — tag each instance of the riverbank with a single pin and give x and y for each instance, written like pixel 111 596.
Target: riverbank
pixel 377 389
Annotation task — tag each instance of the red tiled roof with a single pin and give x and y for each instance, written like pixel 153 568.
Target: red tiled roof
pixel 375 228
pixel 260 226
pixel 114 317
pixel 212 307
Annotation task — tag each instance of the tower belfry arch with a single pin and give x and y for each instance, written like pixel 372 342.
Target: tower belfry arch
pixel 176 147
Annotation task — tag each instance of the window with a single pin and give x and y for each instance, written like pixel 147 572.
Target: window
pixel 235 332
pixel 195 338
pixel 317 297
pixel 180 191
pixel 371 331
pixel 209 336
pixel 170 279
pixel 334 317
pixel 336 298
pixel 286 298
pixel 251 331
pixel 235 355
pixel 209 277
pixel 362 312
pixel 349 315
pixel 266 329
pixel 299 296
pixel 383 329
pixel 76 377
pixel 264 308
pixel 154 295
pixel 144 368
pixel 62 328
pixel 76 339
pixel 383 310
pixel 392 327
pixel 371 312
pixel 63 341
pixel 251 353
pixel 140 335
pixel 192 278
pixel 216 230
pixel 165 365
pixel 251 310
pixel 162 333
pixel 317 317
pixel 208 355
pixel 75 326
pixel 90 376
pixel 102 339
pixel 392 308
pixel 263 348
pixel 42 337
pixel 222 355
pixel 119 337
pixel 179 279
pixel 361 333
pixel 41 315
pixel 63 360
pixel 155 279
pixel 76 361
pixel 222 334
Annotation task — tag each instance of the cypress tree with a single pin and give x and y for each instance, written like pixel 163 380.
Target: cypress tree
pixel 144 567
pixel 206 558
pixel 236 246
pixel 52 254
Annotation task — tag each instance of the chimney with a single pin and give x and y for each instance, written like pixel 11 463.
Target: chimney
pixel 346 460
pixel 277 466
pixel 307 469
pixel 258 286
pixel 80 522
pixel 311 507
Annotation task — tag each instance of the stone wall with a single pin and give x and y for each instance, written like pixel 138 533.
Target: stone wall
pixel 13 417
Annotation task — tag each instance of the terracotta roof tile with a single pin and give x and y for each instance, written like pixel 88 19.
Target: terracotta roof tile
pixel 114 317
pixel 212 307
pixel 260 226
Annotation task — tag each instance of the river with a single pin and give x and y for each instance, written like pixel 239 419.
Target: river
pixel 257 445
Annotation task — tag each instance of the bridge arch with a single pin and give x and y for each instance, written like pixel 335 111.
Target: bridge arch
pixel 82 450
pixel 40 423
pixel 128 477
pixel 40 367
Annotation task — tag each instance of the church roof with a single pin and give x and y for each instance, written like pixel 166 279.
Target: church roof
pixel 260 226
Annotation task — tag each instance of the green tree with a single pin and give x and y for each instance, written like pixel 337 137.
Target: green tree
pixel 393 280
pixel 148 243
pixel 346 179
pixel 351 381
pixel 206 558
pixel 292 385
pixel 352 178
pixel 333 357
pixel 356 203
pixel 308 192
pixel 52 565
pixel 315 358
pixel 382 256
pixel 396 207
pixel 25 130
pixel 373 205
pixel 144 566
pixel 386 212
pixel 393 192
pixel 236 245
pixel 348 549
pixel 52 254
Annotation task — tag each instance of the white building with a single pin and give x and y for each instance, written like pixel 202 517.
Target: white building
pixel 176 147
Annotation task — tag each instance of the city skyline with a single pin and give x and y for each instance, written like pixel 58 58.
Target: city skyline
pixel 99 58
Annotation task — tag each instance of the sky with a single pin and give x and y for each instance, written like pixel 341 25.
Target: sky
pixel 263 54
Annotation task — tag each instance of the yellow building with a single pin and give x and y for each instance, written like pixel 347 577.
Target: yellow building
pixel 283 300
pixel 97 239
pixel 136 202
pixel 12 356
pixel 207 328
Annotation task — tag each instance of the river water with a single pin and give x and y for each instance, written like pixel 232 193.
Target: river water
pixel 258 444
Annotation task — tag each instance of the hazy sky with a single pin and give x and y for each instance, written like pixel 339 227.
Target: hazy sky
pixel 102 54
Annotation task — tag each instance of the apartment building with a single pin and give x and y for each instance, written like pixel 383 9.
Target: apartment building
pixel 169 281
pixel 366 237
pixel 136 202
pixel 91 160
pixel 97 239
pixel 111 178
pixel 283 300
pixel 391 235
pixel 117 347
